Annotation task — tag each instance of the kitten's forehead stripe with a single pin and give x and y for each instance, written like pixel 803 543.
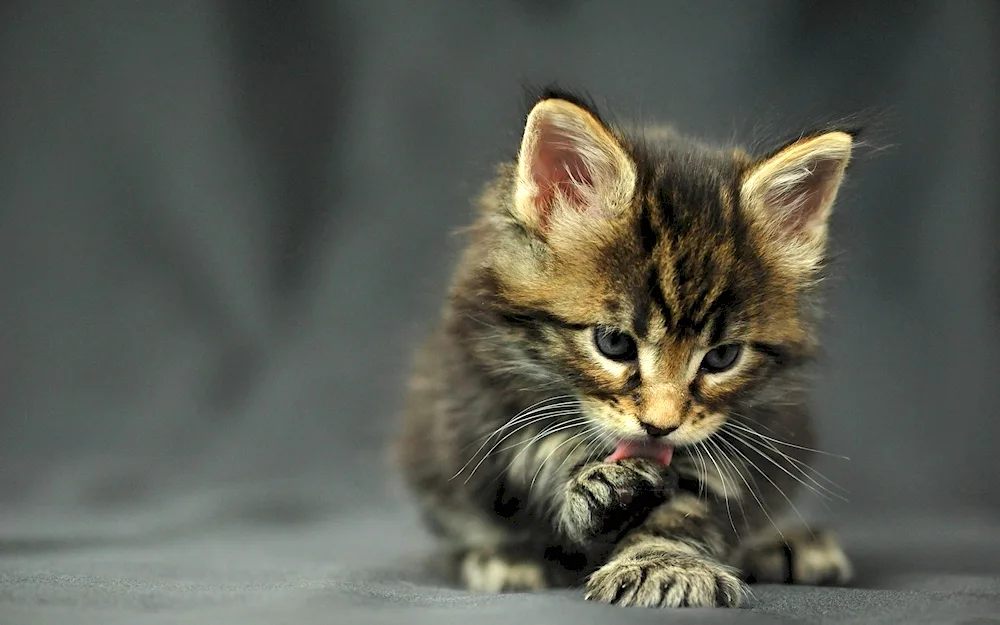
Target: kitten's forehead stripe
pixel 647 234
pixel 649 300
pixel 687 228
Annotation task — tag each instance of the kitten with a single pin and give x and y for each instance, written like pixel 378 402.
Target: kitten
pixel 614 397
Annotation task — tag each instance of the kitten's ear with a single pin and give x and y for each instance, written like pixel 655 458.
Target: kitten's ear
pixel 569 165
pixel 790 195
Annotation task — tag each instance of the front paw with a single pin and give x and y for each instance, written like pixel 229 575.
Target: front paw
pixel 609 498
pixel 656 579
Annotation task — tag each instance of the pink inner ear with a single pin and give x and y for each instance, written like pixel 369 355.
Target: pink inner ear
pixel 558 166
pixel 803 205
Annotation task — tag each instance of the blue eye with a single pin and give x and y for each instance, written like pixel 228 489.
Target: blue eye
pixel 721 358
pixel 614 344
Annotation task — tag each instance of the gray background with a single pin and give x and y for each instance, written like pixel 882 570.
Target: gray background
pixel 225 225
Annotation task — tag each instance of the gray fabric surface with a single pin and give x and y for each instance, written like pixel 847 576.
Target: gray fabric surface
pixel 225 225
pixel 370 567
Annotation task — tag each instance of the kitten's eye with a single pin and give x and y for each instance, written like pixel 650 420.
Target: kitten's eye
pixel 615 345
pixel 721 358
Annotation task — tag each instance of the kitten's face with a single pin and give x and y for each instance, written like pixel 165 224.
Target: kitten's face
pixel 662 283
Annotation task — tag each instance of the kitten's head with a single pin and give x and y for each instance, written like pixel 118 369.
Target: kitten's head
pixel 666 284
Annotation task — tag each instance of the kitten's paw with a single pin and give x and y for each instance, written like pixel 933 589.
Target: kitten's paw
pixel 800 557
pixel 488 571
pixel 656 579
pixel 607 498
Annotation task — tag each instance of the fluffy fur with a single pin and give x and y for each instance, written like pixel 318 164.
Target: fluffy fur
pixel 684 251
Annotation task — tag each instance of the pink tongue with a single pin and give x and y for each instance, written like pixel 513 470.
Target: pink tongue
pixel 636 449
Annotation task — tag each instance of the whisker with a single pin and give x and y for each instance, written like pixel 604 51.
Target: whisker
pixel 776 487
pixel 603 440
pixel 756 448
pixel 786 443
pixel 529 411
pixel 753 492
pixel 545 431
pixel 520 426
pixel 752 421
pixel 593 443
pixel 586 435
pixel 732 463
pixel 802 467
pixel 512 433
pixel 704 470
pixel 541 464
pixel 579 419
pixel 807 471
pixel 551 429
pixel 819 489
pixel 593 438
pixel 519 418
pixel 725 491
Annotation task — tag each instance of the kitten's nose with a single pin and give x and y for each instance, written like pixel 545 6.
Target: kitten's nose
pixel 657 432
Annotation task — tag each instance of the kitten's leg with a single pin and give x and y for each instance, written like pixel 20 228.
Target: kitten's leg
pixel 588 501
pixel 795 556
pixel 485 556
pixel 501 569
pixel 555 489
pixel 673 559
pixel 605 499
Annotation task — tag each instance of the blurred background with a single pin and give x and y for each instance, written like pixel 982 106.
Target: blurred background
pixel 224 226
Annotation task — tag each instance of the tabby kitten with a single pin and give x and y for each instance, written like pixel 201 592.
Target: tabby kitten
pixel 614 397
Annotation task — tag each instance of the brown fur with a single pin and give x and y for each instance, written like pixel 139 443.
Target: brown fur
pixel 512 407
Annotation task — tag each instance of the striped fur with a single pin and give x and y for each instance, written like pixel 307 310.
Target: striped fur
pixel 512 407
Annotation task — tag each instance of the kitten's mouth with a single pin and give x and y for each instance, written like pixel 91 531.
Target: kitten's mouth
pixel 652 450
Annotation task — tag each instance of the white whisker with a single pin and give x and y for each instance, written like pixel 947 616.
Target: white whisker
pixel 585 435
pixel 562 413
pixel 803 467
pixel 541 464
pixel 725 491
pixel 772 482
pixel 704 470
pixel 786 443
pixel 819 489
pixel 551 429
pixel 500 441
pixel 752 490
pixel 520 418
